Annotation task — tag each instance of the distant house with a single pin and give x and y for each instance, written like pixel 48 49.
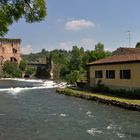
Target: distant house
pixel 117 71
pixel 10 50
pixel 123 51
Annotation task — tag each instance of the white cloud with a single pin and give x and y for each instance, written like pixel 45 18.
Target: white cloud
pixel 75 25
pixel 26 50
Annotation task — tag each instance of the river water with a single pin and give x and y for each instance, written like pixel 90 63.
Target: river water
pixel 32 110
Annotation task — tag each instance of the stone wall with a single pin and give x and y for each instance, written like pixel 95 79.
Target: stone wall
pixel 10 50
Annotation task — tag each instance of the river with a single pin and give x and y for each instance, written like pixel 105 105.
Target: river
pixel 32 110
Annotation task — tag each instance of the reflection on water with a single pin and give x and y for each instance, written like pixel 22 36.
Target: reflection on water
pixel 42 114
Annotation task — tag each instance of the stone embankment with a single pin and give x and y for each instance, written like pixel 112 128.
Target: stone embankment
pixel 100 98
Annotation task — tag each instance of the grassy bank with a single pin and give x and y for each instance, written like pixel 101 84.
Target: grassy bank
pixel 120 102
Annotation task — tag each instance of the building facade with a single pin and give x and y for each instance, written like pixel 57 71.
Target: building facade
pixel 117 72
pixel 10 50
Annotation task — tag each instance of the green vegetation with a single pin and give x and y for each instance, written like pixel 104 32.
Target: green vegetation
pixel 12 10
pixel 89 95
pixel 124 93
pixel 70 65
pixel 10 69
pixel 138 45
pixel 23 65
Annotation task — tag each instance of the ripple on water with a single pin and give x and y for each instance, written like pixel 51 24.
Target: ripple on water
pixel 89 114
pixel 120 135
pixel 94 131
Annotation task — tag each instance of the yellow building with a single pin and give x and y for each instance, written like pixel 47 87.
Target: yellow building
pixel 118 71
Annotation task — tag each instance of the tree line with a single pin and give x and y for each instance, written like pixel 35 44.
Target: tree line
pixel 70 65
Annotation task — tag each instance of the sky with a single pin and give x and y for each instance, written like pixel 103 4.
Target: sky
pixel 83 23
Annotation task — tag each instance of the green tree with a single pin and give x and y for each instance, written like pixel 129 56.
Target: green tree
pixel 137 45
pixel 23 65
pixel 12 10
pixel 73 76
pixel 76 59
pixel 99 47
pixel 11 69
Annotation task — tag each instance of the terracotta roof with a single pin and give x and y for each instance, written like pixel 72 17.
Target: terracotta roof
pixel 117 59
pixel 121 51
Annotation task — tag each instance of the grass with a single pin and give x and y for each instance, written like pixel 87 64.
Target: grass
pixel 98 95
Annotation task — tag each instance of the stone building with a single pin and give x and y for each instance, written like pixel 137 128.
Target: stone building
pixel 9 50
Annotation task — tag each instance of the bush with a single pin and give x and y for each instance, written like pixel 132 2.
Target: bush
pixel 30 71
pixel 124 93
pixel 23 65
pixel 11 70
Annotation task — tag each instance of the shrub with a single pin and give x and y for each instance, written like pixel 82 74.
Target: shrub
pixel 10 69
pixel 125 93
pixel 23 65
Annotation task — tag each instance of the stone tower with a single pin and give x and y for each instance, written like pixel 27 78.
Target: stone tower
pixel 10 50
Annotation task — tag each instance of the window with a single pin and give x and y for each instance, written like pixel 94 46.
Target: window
pixel 0 43
pixel 125 74
pixel 99 74
pixel 14 50
pixel 110 74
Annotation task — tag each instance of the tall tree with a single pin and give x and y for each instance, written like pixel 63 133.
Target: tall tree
pixel 99 47
pixel 12 10
pixel 76 59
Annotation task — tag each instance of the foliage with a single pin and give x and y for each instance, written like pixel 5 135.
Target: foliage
pixel 23 65
pixel 12 10
pixel 70 63
pixel 124 93
pixel 99 47
pixel 73 76
pixel 11 69
pixel 138 45
pixel 76 59
pixel 30 71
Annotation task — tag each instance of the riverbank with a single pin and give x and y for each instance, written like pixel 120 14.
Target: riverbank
pixel 106 99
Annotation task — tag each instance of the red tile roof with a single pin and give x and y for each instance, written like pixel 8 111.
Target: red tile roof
pixel 117 59
pixel 122 51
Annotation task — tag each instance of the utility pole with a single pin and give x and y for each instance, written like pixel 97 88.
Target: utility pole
pixel 129 38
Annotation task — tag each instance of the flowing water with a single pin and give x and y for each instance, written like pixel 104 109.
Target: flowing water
pixel 32 110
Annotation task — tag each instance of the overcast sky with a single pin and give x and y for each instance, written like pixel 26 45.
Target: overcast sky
pixel 82 23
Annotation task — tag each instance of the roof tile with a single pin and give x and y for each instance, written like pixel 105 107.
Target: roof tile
pixel 117 59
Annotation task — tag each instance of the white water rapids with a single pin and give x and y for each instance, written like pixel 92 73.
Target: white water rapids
pixel 40 84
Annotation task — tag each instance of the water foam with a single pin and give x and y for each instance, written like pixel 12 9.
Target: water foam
pixel 62 115
pixel 23 79
pixel 94 131
pixel 42 85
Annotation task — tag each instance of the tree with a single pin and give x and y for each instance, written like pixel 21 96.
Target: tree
pixel 11 69
pixel 73 76
pixel 12 10
pixel 138 45
pixel 76 59
pixel 23 65
pixel 99 47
